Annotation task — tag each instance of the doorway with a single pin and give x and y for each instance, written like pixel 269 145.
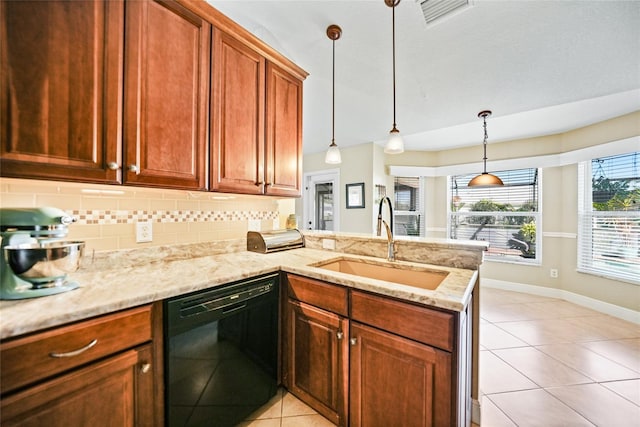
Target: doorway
pixel 322 200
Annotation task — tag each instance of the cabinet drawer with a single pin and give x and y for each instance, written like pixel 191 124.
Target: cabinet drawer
pixel 422 324
pixel 28 359
pixel 324 295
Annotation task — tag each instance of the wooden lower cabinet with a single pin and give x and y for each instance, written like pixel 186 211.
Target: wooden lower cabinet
pixel 317 359
pixel 114 378
pixel 363 359
pixel 105 393
pixel 396 381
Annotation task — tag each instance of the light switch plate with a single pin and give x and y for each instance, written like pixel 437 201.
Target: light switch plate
pixel 254 225
pixel 144 232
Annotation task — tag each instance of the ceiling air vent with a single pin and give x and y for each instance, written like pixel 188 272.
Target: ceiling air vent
pixel 438 9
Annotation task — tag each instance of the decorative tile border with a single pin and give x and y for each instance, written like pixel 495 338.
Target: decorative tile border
pixel 110 217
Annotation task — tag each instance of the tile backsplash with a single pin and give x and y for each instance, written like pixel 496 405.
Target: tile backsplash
pixel 106 214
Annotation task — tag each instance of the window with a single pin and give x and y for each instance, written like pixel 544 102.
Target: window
pixel 508 217
pixel 609 217
pixel 408 215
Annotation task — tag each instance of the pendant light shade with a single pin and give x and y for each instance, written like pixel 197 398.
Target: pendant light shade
pixel 333 156
pixel 395 144
pixel 333 153
pixel 485 179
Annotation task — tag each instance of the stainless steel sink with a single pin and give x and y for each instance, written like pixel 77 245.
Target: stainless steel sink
pixel 411 275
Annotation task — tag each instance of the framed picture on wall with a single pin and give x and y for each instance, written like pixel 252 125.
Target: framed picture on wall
pixel 355 195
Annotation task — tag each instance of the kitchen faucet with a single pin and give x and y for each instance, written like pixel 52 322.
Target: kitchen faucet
pixel 391 255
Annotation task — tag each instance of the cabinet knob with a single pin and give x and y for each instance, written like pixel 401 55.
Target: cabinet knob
pixel 340 335
pixel 145 367
pixel 134 168
pixel 353 341
pixel 113 166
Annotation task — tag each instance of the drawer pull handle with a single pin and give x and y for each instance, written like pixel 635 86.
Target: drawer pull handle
pixel 353 341
pixel 340 335
pixel 75 352
pixel 145 367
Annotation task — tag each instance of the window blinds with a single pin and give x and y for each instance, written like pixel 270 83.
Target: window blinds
pixel 408 215
pixel 507 217
pixel 609 217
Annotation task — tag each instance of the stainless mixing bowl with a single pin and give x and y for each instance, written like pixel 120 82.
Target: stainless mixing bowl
pixel 43 263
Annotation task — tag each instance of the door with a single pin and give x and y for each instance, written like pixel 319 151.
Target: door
pixel 321 204
pixel 237 117
pixel 61 89
pixel 167 57
pixel 397 381
pixel 318 359
pixel 284 133
pixel 324 205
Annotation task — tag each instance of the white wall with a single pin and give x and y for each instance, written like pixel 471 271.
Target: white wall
pixel 559 204
pixel 559 192
pixel 357 166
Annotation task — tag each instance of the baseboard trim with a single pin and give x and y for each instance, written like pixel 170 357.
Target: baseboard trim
pixel 475 411
pixel 594 304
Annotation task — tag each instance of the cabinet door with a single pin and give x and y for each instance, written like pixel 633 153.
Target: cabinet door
pixel 61 89
pixel 237 117
pixel 317 370
pixel 284 133
pixel 396 381
pixel 167 51
pixel 113 392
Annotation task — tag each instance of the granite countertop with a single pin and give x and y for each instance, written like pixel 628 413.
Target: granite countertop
pixel 111 289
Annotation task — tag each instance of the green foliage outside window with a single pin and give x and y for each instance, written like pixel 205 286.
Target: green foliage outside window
pixel 612 195
pixel 525 240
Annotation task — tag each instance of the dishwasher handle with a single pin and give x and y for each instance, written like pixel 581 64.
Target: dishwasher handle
pixel 231 308
pixel 219 303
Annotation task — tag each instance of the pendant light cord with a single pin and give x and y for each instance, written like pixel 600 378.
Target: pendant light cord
pixel 393 42
pixel 333 96
pixel 484 144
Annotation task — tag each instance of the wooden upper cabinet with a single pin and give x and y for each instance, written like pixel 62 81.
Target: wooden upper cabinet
pixel 121 92
pixel 61 89
pixel 237 117
pixel 284 133
pixel 167 63
pixel 256 122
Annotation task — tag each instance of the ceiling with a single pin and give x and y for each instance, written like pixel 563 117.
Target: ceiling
pixel 542 67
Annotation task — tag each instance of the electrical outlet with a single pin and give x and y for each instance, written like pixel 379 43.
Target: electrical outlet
pixel 329 244
pixel 144 232
pixel 553 273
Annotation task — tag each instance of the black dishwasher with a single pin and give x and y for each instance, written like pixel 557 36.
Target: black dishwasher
pixel 221 352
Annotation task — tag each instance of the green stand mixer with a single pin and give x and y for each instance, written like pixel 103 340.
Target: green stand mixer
pixel 34 260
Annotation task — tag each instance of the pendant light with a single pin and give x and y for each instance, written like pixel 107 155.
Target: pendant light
pixel 485 179
pixel 395 144
pixel 333 153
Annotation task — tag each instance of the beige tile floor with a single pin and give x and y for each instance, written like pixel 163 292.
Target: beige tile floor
pixel 543 362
